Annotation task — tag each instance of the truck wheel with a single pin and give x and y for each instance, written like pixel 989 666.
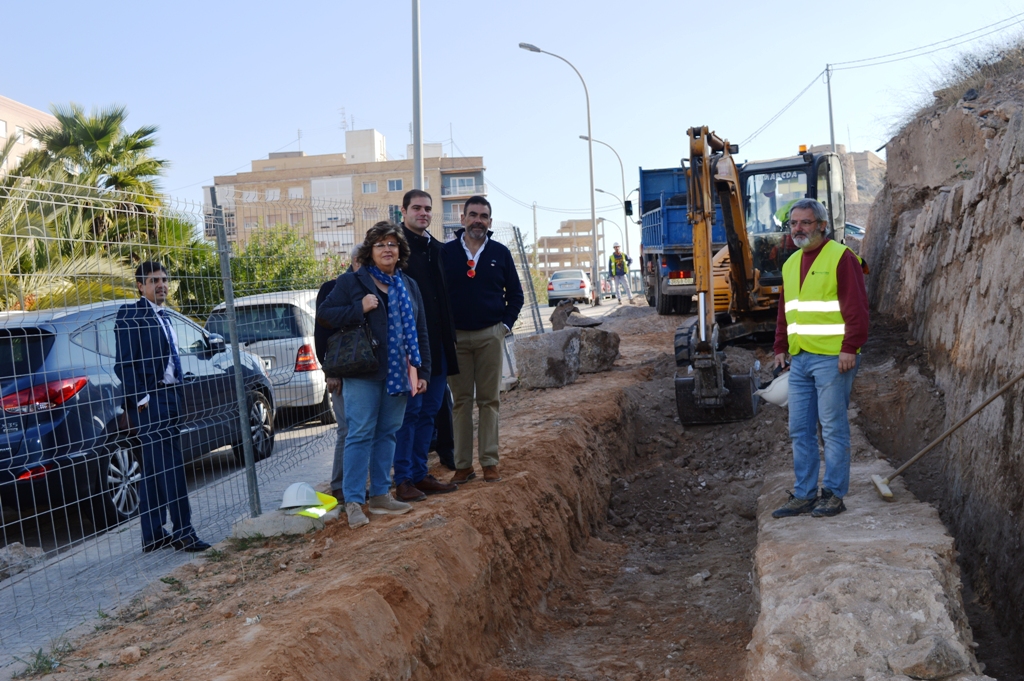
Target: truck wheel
pixel 682 305
pixel 663 303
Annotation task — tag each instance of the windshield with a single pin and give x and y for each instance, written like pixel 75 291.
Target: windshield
pixel 768 199
pixel 264 322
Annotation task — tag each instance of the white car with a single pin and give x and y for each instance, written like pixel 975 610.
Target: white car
pixel 278 328
pixel 570 284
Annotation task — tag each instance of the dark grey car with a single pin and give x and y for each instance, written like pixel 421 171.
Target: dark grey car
pixel 63 438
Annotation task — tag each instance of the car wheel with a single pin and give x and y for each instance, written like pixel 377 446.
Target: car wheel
pixel 120 474
pixel 261 425
pixel 552 303
pixel 326 410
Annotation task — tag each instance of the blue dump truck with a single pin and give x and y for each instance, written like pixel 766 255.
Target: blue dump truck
pixel 666 240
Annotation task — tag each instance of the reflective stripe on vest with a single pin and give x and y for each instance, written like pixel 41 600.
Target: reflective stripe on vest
pixel 814 322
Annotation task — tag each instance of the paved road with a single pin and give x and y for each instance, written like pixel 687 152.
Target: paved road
pixel 104 573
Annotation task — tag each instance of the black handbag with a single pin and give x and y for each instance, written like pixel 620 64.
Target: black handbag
pixel 351 352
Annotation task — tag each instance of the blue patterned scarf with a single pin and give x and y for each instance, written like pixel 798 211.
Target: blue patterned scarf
pixel 402 339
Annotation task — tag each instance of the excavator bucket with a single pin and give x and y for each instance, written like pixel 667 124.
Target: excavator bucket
pixel 738 405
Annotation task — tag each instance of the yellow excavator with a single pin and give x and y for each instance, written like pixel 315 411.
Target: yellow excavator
pixel 738 287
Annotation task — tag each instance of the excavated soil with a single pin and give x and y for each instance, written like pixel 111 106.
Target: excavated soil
pixel 617 546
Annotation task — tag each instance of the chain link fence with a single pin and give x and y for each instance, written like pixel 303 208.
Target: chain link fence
pixel 240 412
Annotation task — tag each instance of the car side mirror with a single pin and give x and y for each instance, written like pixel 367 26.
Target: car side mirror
pixel 217 343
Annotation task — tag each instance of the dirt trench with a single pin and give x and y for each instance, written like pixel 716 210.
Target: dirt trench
pixel 617 546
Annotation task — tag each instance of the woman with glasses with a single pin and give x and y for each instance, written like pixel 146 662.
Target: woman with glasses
pixel 379 293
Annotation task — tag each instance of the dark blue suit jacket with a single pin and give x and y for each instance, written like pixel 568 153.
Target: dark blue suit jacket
pixel 143 351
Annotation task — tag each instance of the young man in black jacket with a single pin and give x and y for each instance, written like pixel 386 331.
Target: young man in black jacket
pixel 412 477
pixel 486 298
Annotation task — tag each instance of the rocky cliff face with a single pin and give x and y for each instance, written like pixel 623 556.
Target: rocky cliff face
pixel 945 245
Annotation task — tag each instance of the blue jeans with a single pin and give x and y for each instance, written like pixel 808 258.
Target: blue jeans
pixel 373 418
pixel 413 439
pixel 818 392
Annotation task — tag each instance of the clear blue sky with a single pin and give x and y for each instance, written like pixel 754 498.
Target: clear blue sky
pixel 229 82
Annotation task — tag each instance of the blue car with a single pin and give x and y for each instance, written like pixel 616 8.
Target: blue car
pixel 63 433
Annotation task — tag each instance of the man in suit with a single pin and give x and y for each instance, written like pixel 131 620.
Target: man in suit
pixel 150 372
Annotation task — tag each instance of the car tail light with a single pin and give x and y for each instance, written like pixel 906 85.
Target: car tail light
pixel 43 397
pixel 35 472
pixel 583 284
pixel 305 360
pixel 551 286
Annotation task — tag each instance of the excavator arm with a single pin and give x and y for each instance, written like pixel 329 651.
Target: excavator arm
pixel 707 393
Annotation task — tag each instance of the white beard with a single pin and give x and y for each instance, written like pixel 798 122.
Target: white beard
pixel 801 241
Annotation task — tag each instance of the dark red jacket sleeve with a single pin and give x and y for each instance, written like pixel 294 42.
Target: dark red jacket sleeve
pixel 853 303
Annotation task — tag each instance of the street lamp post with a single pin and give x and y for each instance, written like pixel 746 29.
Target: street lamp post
pixel 622 170
pixel 590 153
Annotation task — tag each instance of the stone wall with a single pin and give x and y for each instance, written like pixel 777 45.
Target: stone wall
pixel 945 244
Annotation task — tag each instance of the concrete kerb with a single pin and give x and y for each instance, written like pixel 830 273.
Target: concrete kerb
pixel 857 594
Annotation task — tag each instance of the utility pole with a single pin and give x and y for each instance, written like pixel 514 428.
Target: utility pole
pixel 535 235
pixel 417 101
pixel 831 127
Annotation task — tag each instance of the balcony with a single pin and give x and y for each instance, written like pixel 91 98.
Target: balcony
pixel 466 190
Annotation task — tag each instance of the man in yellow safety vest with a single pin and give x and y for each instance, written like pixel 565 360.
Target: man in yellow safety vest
pixel 822 326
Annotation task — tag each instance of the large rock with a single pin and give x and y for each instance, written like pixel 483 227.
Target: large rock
pixel 15 558
pixel 561 314
pixel 578 320
pixel 598 350
pixel 549 360
pixel 932 657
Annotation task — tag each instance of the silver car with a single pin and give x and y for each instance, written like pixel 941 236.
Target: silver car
pixel 278 327
pixel 571 285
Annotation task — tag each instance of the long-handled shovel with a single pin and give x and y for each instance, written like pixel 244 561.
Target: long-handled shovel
pixel 882 484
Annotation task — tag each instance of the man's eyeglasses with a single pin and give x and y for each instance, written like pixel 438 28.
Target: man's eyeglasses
pixel 390 245
pixel 802 223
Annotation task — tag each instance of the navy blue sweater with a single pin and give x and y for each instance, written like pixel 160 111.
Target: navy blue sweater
pixel 493 296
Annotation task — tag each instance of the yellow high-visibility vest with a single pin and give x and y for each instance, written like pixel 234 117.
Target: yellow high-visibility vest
pixel 814 322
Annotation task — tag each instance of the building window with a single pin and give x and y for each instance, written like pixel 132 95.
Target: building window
pixel 369 187
pixel 273 220
pixel 250 196
pixel 371 214
pixel 395 214
pixel 426 183
pixel 35 143
pixel 294 192
pixel 3 129
pixel 273 194
pixel 295 219
pixel 394 185
pixel 19 134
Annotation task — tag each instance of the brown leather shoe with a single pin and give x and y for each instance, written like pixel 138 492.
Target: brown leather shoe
pixel 463 475
pixel 431 485
pixel 407 492
pixel 491 474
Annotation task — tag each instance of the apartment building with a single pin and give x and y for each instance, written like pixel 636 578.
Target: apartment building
pixel 335 198
pixel 16 119
pixel 572 248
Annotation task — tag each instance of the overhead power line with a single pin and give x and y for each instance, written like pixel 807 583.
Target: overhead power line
pixel 781 111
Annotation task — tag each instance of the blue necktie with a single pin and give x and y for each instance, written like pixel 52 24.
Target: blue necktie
pixel 170 341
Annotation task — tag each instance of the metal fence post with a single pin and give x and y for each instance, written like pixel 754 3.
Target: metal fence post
pixel 224 251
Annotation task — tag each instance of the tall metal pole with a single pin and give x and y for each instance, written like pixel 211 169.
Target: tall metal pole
pixel 417 101
pixel 831 127
pixel 535 236
pixel 594 269
pixel 224 251
pixel 622 171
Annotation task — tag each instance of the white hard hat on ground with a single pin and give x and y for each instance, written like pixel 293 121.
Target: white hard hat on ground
pixel 299 494
pixel 776 392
